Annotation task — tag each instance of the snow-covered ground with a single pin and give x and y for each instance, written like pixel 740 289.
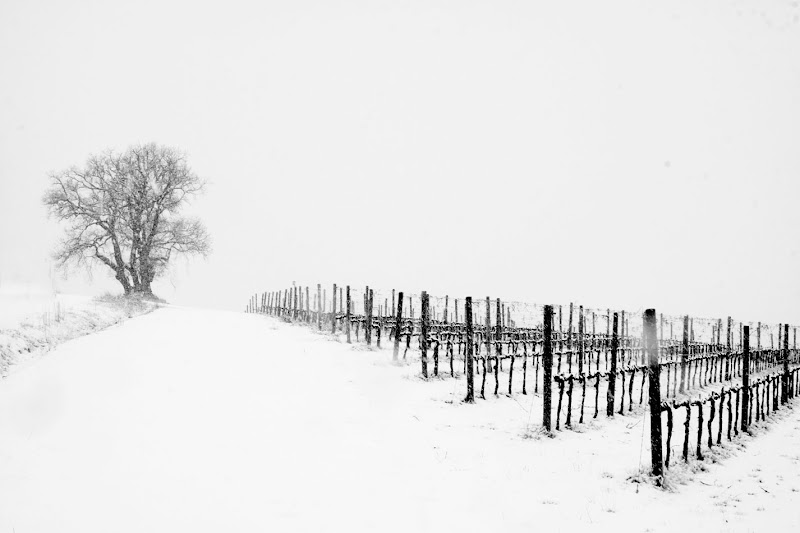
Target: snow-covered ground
pixel 193 420
pixel 34 320
pixel 21 302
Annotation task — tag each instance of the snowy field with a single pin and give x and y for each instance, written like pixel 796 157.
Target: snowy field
pixel 33 320
pixel 21 302
pixel 193 420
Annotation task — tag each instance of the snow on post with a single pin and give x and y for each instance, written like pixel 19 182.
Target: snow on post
pixel 547 360
pixel 333 311
pixel 745 377
pixel 785 377
pixel 612 377
pixel 347 316
pixel 319 306
pixel 685 354
pixel 423 334
pixel 651 345
pixel 398 326
pixel 470 365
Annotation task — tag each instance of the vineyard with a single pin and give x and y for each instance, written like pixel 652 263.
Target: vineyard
pixel 698 386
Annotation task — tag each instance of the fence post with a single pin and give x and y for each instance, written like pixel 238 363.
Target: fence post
pixel 612 377
pixel 319 306
pixel 498 329
pixel 398 325
pixel 423 334
pixel 333 311
pixel 651 345
pixel 347 316
pixel 745 378
pixel 580 340
pixel 368 316
pixel 785 379
pixel 685 354
pixel 488 332
pixel 470 364
pixel 547 360
pixel 728 350
pixel 569 341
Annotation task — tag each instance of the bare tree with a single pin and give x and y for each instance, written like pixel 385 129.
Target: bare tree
pixel 123 211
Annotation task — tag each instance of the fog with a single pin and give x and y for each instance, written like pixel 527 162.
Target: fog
pixel 614 154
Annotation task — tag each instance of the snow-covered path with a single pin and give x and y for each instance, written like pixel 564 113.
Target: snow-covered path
pixel 192 420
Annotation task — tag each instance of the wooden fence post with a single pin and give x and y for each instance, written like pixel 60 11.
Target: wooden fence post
pixel 333 311
pixel 368 317
pixel 569 340
pixel 423 334
pixel 745 378
pixel 498 347
pixel 398 325
pixel 728 351
pixel 300 304
pixel 488 332
pixel 785 378
pixel 612 377
pixel 580 340
pixel 319 306
pixel 651 345
pixel 547 360
pixel 347 316
pixel 470 364
pixel 685 354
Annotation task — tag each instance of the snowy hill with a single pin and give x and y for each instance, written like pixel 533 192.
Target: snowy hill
pixel 193 420
pixel 33 320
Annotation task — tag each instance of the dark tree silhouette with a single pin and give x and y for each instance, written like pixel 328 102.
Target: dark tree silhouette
pixel 123 211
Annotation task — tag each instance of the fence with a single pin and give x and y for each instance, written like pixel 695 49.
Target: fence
pixel 515 347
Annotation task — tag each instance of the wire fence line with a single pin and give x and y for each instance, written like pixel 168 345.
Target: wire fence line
pixel 582 361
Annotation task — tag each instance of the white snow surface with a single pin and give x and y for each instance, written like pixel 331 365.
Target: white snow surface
pixel 20 302
pixel 33 321
pixel 195 420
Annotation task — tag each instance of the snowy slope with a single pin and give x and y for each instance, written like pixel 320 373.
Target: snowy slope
pixel 192 420
pixel 20 302
pixel 34 321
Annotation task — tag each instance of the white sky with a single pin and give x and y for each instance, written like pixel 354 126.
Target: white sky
pixel 612 153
